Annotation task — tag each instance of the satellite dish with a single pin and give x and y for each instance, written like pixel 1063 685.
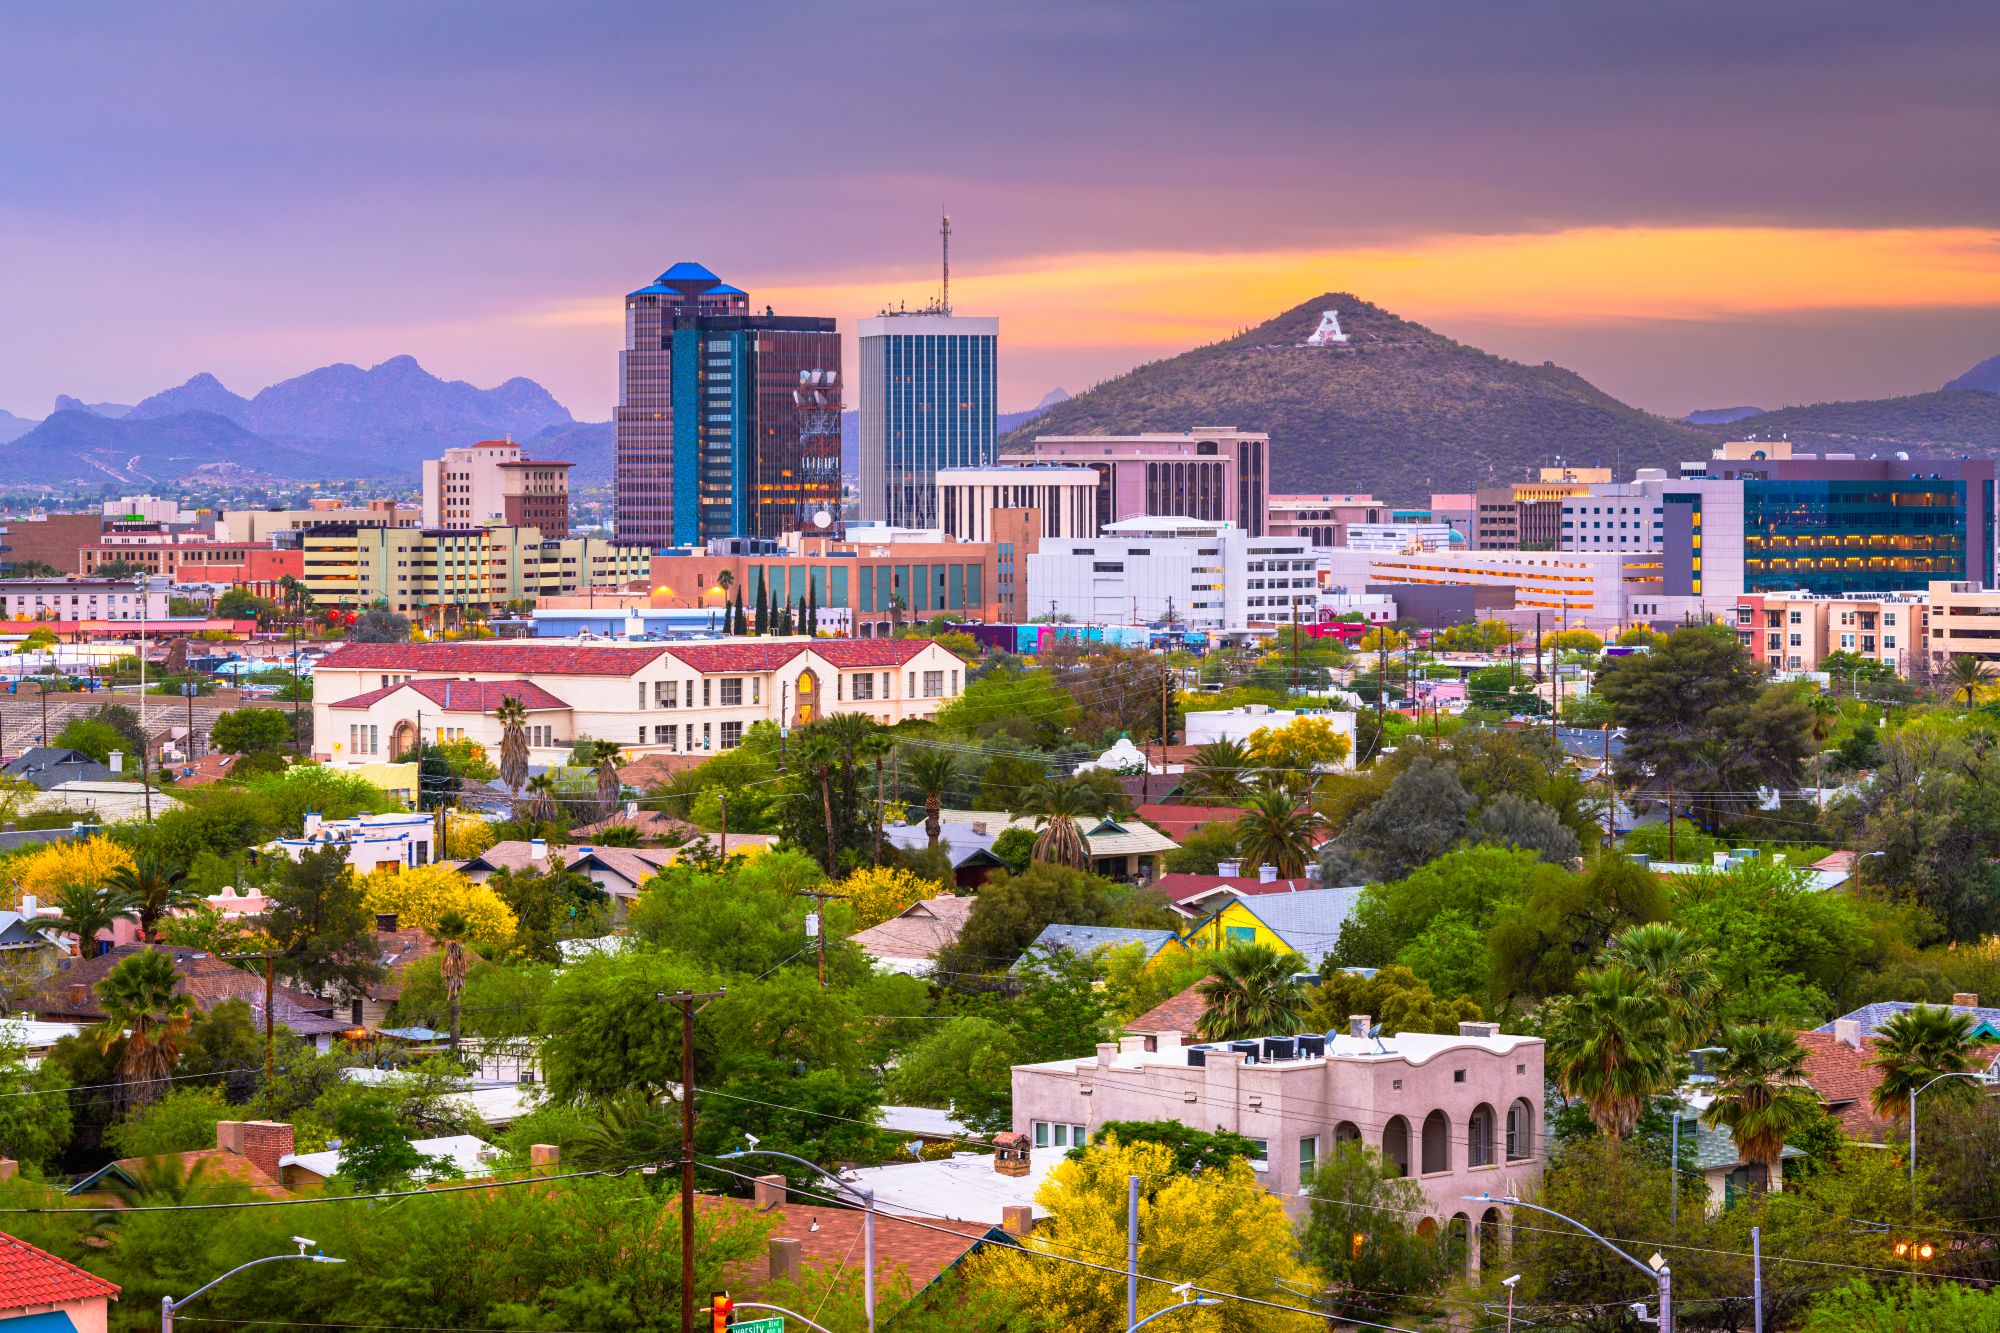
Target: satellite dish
pixel 822 519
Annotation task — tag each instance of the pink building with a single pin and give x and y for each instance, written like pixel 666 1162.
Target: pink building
pixel 1462 1114
pixel 1323 519
pixel 1211 472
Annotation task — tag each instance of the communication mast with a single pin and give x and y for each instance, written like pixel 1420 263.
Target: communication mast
pixel 944 302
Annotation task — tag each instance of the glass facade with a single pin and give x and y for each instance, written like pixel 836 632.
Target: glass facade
pixel 929 394
pixel 1839 536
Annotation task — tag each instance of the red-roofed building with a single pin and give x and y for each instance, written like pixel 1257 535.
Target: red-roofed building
pixel 374 699
pixel 55 1293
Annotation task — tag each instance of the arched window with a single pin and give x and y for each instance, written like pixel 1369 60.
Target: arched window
pixel 1459 1237
pixel 1520 1130
pixel 1346 1132
pixel 1489 1239
pixel 1437 1142
pixel 1479 1136
pixel 1396 1145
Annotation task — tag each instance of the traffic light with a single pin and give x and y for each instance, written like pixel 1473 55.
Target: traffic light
pixel 720 1310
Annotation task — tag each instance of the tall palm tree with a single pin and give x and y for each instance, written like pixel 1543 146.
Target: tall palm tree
pixel 1219 773
pixel 1610 1046
pixel 1057 805
pixel 1761 1095
pixel 84 912
pixel 1680 969
pixel 1277 829
pixel 604 754
pixel 1825 710
pixel 152 888
pixel 142 1004
pixel 450 933
pixel 513 715
pixel 838 744
pixel 1968 676
pixel 932 772
pixel 541 803
pixel 1915 1047
pixel 1253 991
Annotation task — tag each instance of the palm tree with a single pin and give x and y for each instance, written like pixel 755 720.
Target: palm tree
pixel 1218 774
pixel 1056 805
pixel 1681 970
pixel 1968 676
pixel 838 743
pixel 152 888
pixel 450 934
pixel 84 912
pixel 513 715
pixel 1610 1046
pixel 1916 1046
pixel 1277 829
pixel 932 772
pixel 541 804
pixel 1825 710
pixel 605 755
pixel 1253 990
pixel 143 1005
pixel 1761 1095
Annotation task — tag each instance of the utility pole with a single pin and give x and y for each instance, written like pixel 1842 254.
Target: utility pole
pixel 270 1046
pixel 723 847
pixel 1610 806
pixel 298 684
pixel 685 1002
pixel 816 924
pixel 145 737
pixel 878 812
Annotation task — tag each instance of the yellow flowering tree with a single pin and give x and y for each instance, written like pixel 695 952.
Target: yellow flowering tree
pixel 465 836
pixel 877 893
pixel 1220 1229
pixel 45 872
pixel 1298 746
pixel 421 895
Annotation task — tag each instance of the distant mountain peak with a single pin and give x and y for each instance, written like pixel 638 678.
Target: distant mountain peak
pixel 1052 397
pixel 1984 377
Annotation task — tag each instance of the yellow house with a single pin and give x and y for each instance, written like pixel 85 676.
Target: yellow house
pixel 1306 922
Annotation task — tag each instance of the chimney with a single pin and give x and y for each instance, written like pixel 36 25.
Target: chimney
pixel 1018 1219
pixel 311 824
pixel 538 850
pixel 31 906
pixel 9 1168
pixel 266 1141
pixel 1478 1029
pixel 1267 874
pixel 1847 1031
pixel 79 993
pixel 229 1136
pixel 1965 999
pixel 979 827
pixel 385 921
pixel 1229 869
pixel 1358 1025
pixel 785 1255
pixel 543 1158
pixel 768 1191
pixel 1106 1052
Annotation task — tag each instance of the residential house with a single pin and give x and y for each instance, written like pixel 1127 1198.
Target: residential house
pixel 620 871
pixel 470 1158
pixel 1840 1071
pixel 910 941
pixel 396 947
pixel 1124 850
pixel 1194 889
pixel 45 767
pixel 1180 822
pixel 1084 941
pixel 70 994
pixel 246 1153
pixel 968 843
pixel 965 1187
pixel 1872 1017
pixel 1179 1014
pixel 40 1293
pixel 397 840
pixel 1459 1113
pixel 1305 921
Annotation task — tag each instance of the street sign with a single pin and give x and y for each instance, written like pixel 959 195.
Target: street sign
pixel 775 1324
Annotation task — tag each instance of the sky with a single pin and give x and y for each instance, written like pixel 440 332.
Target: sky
pixel 1692 204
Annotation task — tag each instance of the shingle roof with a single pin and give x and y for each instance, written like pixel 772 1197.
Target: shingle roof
pixel 922 1249
pixel 514 657
pixel 1308 920
pixel 1180 1013
pixel 1843 1081
pixel 1087 939
pixel 204 978
pixel 1873 1016
pixel 465 696
pixel 921 930
pixel 30 1277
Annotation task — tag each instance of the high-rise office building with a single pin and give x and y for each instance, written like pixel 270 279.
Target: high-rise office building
pixel 728 422
pixel 928 388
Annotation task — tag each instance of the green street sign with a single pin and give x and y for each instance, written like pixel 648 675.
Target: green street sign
pixel 775 1324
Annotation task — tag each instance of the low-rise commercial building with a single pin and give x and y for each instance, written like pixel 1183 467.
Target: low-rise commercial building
pixel 1460 1113
pixel 494 483
pixel 1964 621
pixel 1203 574
pixel 1322 520
pixel 270 526
pixel 82 599
pixel 1211 472
pixel 1603 591
pixel 1796 631
pixel 373 700
pixel 47 539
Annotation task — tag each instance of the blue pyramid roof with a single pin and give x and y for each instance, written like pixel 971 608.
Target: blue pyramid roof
pixel 654 289
pixel 724 289
pixel 686 272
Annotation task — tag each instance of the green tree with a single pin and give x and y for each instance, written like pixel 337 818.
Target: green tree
pixel 375 1153
pixel 92 737
pixel 250 731
pixel 1062 808
pixel 1202 851
pixel 145 1012
pixel 1252 990
pixel 513 718
pixel 1761 1094
pixel 1012 909
pixel 151 887
pixel 1395 996
pixel 1610 1046
pixel 1361 1235
pixel 966 1065
pixel 86 913
pixel 1218 774
pixel 1276 830
pixel 550 907
pixel 1006 779
pixel 931 772
pixel 35 1120
pixel 1680 969
pixel 1510 820
pixel 1537 944
pixel 1019 704
pixel 379 625
pixel 1967 677
pixel 1418 819
pixel 319 923
pixel 1916 1046
pixel 182 1120
pixel 1909 1307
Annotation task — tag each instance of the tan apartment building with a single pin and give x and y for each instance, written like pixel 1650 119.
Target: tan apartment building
pixel 492 483
pixel 1964 622
pixel 1796 631
pixel 1322 520
pixel 458 571
pixel 268 525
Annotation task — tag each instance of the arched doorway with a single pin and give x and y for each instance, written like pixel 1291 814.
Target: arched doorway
pixel 1489 1239
pixel 1479 1136
pixel 403 738
pixel 1437 1142
pixel 806 701
pixel 1346 1132
pixel 1396 1145
pixel 1459 1237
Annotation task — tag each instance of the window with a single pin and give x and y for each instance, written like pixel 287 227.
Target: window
pixel 705 693
pixel 864 685
pixel 1308 1154
pixel 1050 1135
pixel 732 735
pixel 1241 934
pixel 707 735
pixel 913 686
pixel 642 695
pixel 1479 1137
pixel 1260 1155
pixel 666 694
pixel 933 684
pixel 732 692
pixel 1520 1130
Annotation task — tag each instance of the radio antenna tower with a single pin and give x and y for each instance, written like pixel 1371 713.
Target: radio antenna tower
pixel 945 233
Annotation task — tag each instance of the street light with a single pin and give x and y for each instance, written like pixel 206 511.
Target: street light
pixel 1963 1073
pixel 1510 1283
pixel 1660 1271
pixel 866 1197
pixel 1188 1301
pixel 168 1305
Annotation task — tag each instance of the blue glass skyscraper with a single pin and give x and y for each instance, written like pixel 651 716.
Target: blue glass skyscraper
pixel 929 386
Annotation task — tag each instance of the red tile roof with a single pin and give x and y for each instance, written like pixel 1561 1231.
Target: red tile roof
pixel 464 696
pixel 870 652
pixel 30 1277
pixel 515 657
pixel 205 979
pixel 1179 888
pixel 922 1253
pixel 709 658
pixel 1178 1014
pixel 1840 1077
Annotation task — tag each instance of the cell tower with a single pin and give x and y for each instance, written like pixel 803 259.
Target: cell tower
pixel 944 232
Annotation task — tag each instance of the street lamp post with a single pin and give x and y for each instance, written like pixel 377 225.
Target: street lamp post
pixel 1187 1302
pixel 1663 1274
pixel 866 1198
pixel 168 1305
pixel 1963 1073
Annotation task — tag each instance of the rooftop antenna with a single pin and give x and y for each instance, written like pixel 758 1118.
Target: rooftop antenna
pixel 945 233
